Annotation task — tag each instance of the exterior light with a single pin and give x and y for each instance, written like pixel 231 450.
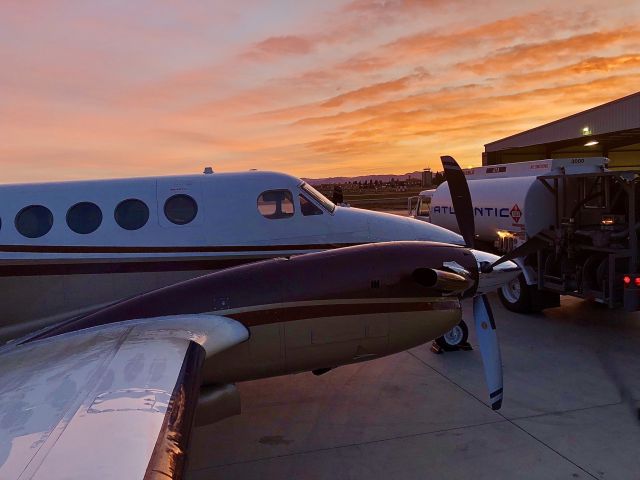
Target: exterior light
pixel 627 279
pixel 505 234
pixel 591 143
pixel 637 281
pixel 586 131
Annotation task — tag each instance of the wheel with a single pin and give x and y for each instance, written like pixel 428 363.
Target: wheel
pixel 455 337
pixel 516 296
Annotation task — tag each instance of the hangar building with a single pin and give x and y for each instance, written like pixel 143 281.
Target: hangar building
pixel 610 130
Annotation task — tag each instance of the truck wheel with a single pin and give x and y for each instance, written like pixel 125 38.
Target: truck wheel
pixel 454 338
pixel 516 296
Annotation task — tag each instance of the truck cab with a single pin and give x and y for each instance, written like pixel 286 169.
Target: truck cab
pixel 419 207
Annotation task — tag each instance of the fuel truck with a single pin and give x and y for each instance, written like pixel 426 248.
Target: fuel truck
pixel 582 216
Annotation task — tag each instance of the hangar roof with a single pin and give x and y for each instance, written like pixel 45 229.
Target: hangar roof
pixel 613 127
pixel 614 118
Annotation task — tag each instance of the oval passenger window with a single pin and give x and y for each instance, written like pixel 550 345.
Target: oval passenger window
pixel 84 217
pixel 274 204
pixel 180 209
pixel 34 221
pixel 132 214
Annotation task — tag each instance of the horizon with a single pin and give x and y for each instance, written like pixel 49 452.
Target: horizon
pixel 339 89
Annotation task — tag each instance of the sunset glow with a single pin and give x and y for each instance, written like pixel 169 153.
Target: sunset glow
pixel 338 87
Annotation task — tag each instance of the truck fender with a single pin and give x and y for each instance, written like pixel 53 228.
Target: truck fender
pixel 527 270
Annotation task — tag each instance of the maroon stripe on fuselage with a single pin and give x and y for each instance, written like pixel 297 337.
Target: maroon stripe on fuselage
pixel 82 266
pixel 301 312
pixel 173 249
pixel 118 266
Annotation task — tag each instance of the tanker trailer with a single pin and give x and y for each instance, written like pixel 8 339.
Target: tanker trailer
pixel 580 209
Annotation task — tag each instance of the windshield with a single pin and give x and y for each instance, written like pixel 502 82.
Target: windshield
pixel 425 207
pixel 318 197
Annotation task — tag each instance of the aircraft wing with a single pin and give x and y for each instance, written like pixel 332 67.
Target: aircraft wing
pixel 110 402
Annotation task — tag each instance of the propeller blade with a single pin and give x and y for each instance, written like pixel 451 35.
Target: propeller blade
pixel 489 349
pixel 538 241
pixel 460 198
pixel 485 324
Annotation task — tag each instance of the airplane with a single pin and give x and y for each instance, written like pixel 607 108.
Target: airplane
pixel 68 248
pixel 113 392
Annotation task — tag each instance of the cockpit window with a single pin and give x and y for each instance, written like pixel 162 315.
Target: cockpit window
pixel 307 207
pixel 274 204
pixel 317 196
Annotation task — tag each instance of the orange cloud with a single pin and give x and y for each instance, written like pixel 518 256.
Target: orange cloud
pixel 492 34
pixel 553 51
pixel 588 67
pixel 482 118
pixel 431 100
pixel 284 45
pixel 373 92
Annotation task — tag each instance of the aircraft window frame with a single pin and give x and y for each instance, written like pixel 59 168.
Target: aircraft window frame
pixel 42 228
pixel 327 204
pixel 120 220
pixel 314 209
pixel 176 220
pixel 80 228
pixel 277 215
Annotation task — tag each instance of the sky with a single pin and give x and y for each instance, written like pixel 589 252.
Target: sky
pixel 116 88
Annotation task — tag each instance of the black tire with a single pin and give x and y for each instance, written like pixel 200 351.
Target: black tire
pixel 454 338
pixel 516 296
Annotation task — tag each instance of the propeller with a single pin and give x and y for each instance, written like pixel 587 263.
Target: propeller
pixel 485 323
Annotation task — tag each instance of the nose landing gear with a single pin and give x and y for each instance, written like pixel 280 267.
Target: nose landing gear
pixel 455 339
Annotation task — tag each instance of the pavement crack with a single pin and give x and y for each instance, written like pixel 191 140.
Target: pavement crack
pixel 347 445
pixel 562 412
pixel 541 442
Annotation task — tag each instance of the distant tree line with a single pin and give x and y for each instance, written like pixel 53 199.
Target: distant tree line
pixel 372 184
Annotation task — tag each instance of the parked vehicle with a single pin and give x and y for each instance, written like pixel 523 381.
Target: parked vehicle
pixel 583 216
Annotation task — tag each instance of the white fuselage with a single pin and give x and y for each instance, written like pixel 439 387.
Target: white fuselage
pixel 62 273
